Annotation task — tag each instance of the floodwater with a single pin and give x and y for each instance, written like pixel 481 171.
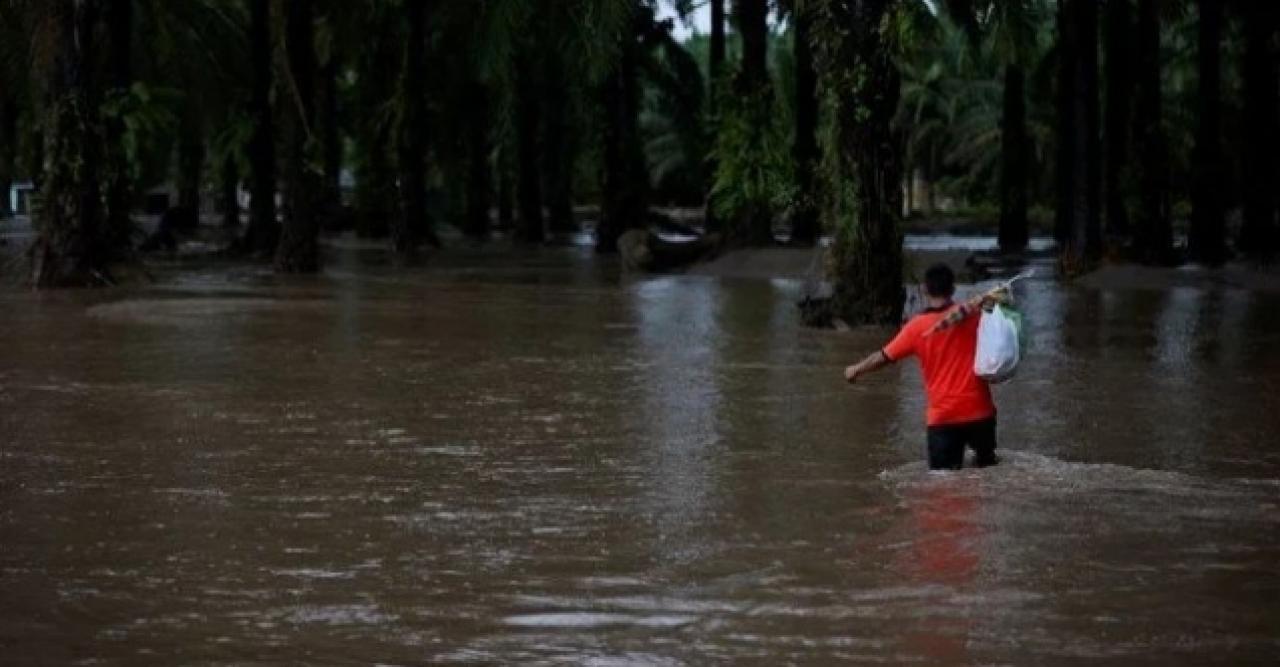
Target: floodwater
pixel 529 459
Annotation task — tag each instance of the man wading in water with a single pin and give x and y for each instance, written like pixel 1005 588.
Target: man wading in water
pixel 945 338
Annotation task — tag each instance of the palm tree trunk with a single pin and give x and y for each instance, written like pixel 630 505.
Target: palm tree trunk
pixel 558 149
pixel 376 193
pixel 752 22
pixel 715 63
pixel 1260 235
pixel 230 193
pixel 857 64
pixel 71 246
pixel 909 177
pixel 1013 163
pixel 330 134
pixel 1082 216
pixel 528 123
pixel 1119 36
pixel 624 181
pixel 263 231
pixel 506 194
pixel 1154 235
pixel 754 225
pixel 1089 146
pixel 413 224
pixel 191 157
pixel 1207 241
pixel 35 156
pixel 715 70
pixel 804 224
pixel 930 173
pixel 478 170
pixel 1065 127
pixel 8 150
pixel 120 29
pixel 298 250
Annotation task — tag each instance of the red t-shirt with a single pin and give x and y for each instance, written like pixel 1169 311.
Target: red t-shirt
pixel 955 394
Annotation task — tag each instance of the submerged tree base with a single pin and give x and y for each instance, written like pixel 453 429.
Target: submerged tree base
pixel 643 250
pixel 50 270
pixel 817 312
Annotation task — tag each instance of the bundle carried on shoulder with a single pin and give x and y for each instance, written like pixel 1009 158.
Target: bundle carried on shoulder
pixel 1002 340
pixel 1000 344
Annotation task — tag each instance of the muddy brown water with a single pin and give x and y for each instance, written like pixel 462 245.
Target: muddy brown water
pixel 529 459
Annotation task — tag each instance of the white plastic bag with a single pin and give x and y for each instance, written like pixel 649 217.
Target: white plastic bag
pixel 998 345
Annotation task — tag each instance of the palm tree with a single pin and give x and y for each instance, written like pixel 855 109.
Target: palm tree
pixel 413 223
pixel 857 71
pixel 191 152
pixel 1065 130
pixel 624 178
pixel 25 44
pixel 540 76
pixel 14 66
pixel 804 146
pixel 1260 167
pixel 1011 28
pixel 751 19
pixel 191 69
pixel 377 69
pixel 715 77
pixel 715 64
pixel 120 35
pixel 337 42
pixel 473 83
pixel 1015 24
pixel 478 167
pixel 263 230
pixel 1079 218
pixel 953 108
pixel 72 246
pixel 230 192
pixel 931 97
pixel 8 149
pixel 1153 234
pixel 1119 69
pixel 557 143
pixel 539 57
pixel 528 157
pixel 506 196
pixel 673 119
pixel 1207 240
pixel 753 223
pixel 1014 162
pixel 298 250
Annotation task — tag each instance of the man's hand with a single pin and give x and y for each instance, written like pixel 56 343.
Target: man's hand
pixel 996 297
pixel 873 363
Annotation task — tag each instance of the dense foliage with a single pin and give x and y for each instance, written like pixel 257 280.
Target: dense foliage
pixel 1131 127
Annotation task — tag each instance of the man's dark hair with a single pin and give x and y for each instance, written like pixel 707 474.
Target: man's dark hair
pixel 940 281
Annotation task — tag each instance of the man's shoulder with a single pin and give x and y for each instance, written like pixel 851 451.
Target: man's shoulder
pixel 922 320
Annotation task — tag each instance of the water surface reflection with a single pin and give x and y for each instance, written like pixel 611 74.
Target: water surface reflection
pixel 527 458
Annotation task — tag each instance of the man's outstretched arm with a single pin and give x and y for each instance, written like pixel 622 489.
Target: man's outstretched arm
pixel 874 362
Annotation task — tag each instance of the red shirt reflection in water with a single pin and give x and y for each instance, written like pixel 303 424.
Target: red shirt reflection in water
pixel 943 552
pixel 946 532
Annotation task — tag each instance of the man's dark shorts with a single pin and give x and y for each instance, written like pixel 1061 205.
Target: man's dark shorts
pixel 947 443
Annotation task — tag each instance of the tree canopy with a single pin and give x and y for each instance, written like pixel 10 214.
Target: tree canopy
pixel 1140 126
